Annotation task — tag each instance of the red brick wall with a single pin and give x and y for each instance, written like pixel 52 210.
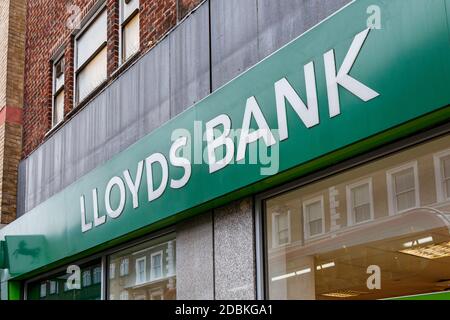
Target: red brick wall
pixel 47 32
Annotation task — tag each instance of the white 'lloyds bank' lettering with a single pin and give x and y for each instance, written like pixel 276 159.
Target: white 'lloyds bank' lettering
pixel 308 113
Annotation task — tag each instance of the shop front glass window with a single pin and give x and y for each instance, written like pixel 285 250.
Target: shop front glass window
pixel 150 271
pixel 57 287
pixel 380 230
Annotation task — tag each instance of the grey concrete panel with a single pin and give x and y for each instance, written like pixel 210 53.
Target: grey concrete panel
pixel 282 21
pixel 189 61
pixel 234 38
pixel 195 275
pixel 234 242
pixel 154 104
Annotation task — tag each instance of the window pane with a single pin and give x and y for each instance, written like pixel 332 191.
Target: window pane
pixel 314 211
pixel 128 8
pixel 131 37
pixel 447 188
pixel 92 75
pixel 361 195
pixel 406 201
pixel 315 227
pixel 58 287
pixel 404 181
pixel 362 213
pixel 410 249
pixel 58 111
pixel 446 167
pixel 152 268
pixel 91 40
pixel 156 266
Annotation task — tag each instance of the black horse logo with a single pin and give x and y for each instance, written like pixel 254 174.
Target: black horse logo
pixel 25 251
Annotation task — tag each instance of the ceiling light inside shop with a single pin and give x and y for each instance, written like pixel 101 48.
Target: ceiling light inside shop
pixel 284 276
pixel 304 271
pixel 410 244
pixel 433 251
pixel 326 266
pixel 343 294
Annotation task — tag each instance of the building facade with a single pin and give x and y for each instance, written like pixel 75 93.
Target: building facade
pixel 226 149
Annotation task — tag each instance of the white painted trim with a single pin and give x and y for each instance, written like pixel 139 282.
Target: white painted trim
pixel 152 276
pixel 59 57
pixel 122 24
pixel 137 270
pixel 437 157
pixel 349 188
pixel 275 230
pixel 306 223
pixel 79 34
pixel 390 187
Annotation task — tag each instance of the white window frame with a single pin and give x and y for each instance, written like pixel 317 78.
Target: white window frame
pixel 76 69
pixel 439 175
pixel 392 199
pixel 137 270
pixel 275 232
pixel 55 92
pixel 152 275
pixel 305 203
pixel 121 27
pixel 350 217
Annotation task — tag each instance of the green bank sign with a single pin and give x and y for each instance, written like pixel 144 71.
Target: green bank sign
pixel 334 87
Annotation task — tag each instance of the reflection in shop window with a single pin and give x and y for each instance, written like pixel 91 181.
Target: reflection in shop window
pixel 152 269
pixel 403 188
pixel 124 267
pixel 112 270
pixel 282 227
pixel 97 275
pixel 411 248
pixel 43 291
pixel 86 278
pixel 313 217
pixel 53 287
pixel 140 270
pixel 124 295
pixel 360 202
pixel 156 265
pixel 442 171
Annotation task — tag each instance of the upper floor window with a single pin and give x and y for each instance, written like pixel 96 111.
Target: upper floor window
pixel 281 228
pixel 129 28
pixel 58 92
pixel 314 217
pixel 360 202
pixel 91 57
pixel 403 188
pixel 442 171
